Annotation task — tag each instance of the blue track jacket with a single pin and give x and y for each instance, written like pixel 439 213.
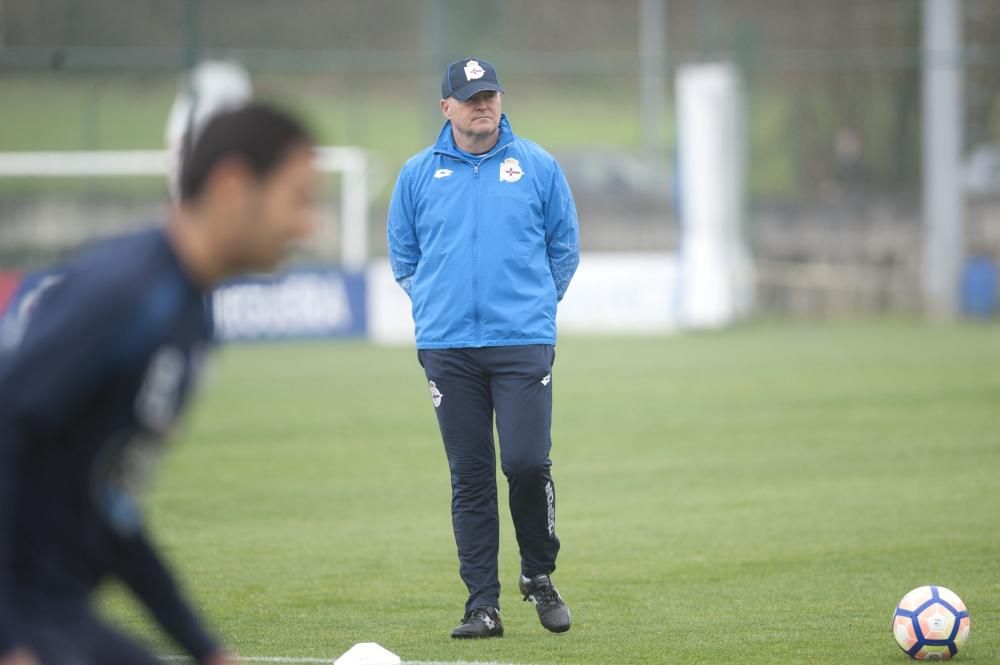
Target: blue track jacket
pixel 485 246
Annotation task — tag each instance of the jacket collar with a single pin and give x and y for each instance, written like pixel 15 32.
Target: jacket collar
pixel 446 140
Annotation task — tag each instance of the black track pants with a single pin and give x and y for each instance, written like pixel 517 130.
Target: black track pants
pixel 467 387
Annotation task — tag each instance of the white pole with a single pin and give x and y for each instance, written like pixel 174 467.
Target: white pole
pixel 353 164
pixel 716 275
pixel 354 216
pixel 943 205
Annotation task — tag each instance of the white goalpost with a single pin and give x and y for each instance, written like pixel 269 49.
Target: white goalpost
pixel 350 163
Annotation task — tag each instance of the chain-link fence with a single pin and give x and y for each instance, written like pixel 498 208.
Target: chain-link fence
pixel 833 107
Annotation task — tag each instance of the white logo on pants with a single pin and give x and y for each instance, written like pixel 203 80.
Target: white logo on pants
pixel 436 394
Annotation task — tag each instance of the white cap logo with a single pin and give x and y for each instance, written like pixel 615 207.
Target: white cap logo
pixel 473 70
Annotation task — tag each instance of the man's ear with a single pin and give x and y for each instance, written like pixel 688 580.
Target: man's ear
pixel 446 109
pixel 229 177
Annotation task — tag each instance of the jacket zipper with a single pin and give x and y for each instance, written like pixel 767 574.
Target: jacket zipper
pixel 476 309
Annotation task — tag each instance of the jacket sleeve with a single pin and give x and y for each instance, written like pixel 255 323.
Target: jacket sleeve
pixel 137 564
pixel 562 232
pixel 404 248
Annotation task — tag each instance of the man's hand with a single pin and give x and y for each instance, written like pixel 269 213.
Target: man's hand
pixel 18 657
pixel 220 658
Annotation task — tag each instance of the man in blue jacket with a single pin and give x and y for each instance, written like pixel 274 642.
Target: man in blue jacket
pixel 96 366
pixel 483 237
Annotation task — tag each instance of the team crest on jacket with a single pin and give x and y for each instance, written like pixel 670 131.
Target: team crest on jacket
pixel 436 394
pixel 510 170
pixel 473 70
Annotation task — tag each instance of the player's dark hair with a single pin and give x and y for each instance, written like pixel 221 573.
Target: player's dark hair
pixel 256 133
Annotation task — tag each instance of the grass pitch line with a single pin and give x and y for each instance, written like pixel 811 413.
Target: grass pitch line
pixel 259 659
pixel 329 661
pixel 454 662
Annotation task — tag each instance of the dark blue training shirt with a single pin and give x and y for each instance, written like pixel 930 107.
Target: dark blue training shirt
pixel 94 368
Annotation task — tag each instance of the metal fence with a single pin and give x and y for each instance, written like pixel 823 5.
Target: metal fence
pixel 833 100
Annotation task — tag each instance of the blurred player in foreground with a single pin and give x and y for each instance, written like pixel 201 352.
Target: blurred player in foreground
pixel 93 375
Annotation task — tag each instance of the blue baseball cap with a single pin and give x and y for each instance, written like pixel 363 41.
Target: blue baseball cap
pixel 464 78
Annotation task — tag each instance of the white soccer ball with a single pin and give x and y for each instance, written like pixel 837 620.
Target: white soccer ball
pixel 931 623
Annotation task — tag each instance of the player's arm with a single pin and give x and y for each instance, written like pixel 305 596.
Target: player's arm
pixel 401 231
pixel 45 373
pixel 562 232
pixel 18 657
pixel 10 444
pixel 138 565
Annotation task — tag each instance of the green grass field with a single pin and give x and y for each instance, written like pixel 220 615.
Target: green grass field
pixel 762 495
